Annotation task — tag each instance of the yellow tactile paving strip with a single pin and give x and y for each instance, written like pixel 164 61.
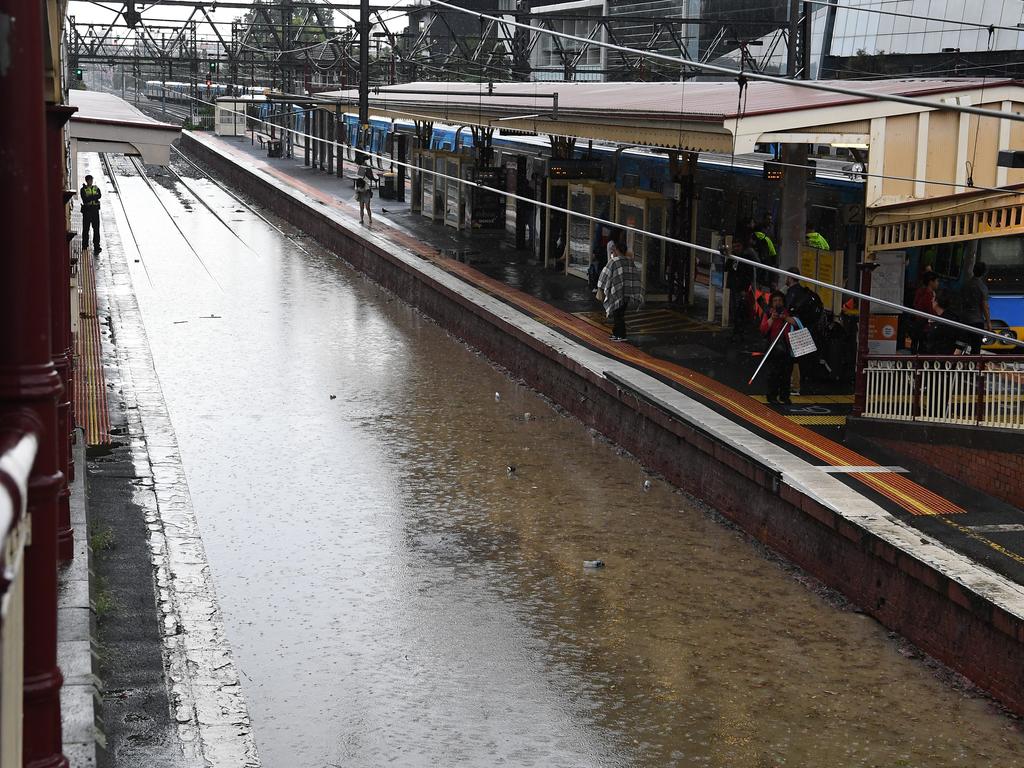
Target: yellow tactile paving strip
pixel 649 321
pixel 818 420
pixel 914 498
pixel 90 383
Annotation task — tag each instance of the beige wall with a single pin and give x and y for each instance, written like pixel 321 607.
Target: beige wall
pixel 941 146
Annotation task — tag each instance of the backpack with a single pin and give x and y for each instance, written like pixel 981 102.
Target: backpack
pixel 810 308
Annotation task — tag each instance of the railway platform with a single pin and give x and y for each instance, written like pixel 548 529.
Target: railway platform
pixel 902 540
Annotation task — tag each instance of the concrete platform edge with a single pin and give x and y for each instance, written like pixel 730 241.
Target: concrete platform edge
pixel 953 608
pixel 74 641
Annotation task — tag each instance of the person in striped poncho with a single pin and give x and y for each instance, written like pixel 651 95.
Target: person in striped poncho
pixel 620 287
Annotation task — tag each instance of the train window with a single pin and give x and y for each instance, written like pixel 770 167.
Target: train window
pixel 945 259
pixel 1005 259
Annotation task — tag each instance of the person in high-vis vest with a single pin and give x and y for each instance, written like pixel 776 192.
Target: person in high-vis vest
pixel 90 195
pixel 815 239
pixel 766 253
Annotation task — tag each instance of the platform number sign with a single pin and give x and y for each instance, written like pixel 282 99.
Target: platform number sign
pixel 852 214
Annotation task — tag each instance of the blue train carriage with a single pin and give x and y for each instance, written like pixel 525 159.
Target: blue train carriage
pixel 948 240
pixel 1004 256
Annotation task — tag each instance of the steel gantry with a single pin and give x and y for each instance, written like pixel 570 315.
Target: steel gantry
pixel 303 46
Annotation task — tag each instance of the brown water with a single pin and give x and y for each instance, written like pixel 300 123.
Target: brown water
pixel 393 597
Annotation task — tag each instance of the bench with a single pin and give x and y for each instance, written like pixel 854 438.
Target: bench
pixel 273 146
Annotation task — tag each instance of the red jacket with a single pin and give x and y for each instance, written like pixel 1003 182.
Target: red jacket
pixel 924 299
pixel 772 326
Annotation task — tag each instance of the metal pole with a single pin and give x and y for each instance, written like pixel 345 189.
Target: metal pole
pixel 364 72
pixel 29 382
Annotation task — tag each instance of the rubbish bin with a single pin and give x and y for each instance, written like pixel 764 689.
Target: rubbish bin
pixel 387 186
pixel 274 148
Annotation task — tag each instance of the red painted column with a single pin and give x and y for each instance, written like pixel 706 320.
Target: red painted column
pixel 60 315
pixel 29 382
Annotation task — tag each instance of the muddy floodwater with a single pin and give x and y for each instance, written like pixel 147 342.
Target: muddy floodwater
pixel 394 596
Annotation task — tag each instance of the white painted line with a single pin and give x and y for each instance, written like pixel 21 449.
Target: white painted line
pixel 1007 528
pixel 862 470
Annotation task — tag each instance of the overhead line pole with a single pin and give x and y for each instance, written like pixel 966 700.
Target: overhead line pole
pixel 364 72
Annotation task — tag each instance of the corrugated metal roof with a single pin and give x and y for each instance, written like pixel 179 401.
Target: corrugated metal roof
pixel 694 101
pixel 98 107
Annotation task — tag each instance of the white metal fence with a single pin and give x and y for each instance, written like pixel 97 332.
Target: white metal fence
pixel 980 390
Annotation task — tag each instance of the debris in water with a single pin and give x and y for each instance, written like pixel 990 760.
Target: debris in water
pixel 527 416
pixel 497 397
pixel 209 317
pixel 593 563
pixel 179 322
pixel 334 397
pixel 511 469
pixel 647 485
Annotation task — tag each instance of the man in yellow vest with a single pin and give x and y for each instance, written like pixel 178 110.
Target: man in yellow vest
pixel 815 239
pixel 90 195
pixel 766 252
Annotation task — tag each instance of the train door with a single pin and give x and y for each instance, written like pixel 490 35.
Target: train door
pixel 453 203
pixel 647 212
pixel 429 185
pixel 586 199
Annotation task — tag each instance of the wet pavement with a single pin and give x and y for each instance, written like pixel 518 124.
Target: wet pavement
pixel 394 595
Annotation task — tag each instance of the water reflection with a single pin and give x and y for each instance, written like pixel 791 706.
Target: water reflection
pixel 394 597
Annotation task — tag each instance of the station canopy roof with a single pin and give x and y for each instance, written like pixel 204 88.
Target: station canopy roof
pixel 694 115
pixel 107 123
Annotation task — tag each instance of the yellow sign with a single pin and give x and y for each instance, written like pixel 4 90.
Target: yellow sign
pixel 826 266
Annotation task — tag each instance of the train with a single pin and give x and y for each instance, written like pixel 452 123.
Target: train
pixel 732 190
pixel 181 93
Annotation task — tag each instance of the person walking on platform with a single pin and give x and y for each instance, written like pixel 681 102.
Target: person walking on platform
pixel 619 287
pixel 779 366
pixel 924 301
pixel 90 196
pixel 815 239
pixel 942 339
pixel 975 304
pixel 739 277
pixel 364 193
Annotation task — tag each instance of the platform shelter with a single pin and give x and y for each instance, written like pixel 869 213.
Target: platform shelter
pixel 684 119
pixel 104 122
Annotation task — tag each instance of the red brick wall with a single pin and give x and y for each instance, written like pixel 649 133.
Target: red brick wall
pixel 996 473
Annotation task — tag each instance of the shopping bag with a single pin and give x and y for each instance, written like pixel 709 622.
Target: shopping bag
pixel 801 342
